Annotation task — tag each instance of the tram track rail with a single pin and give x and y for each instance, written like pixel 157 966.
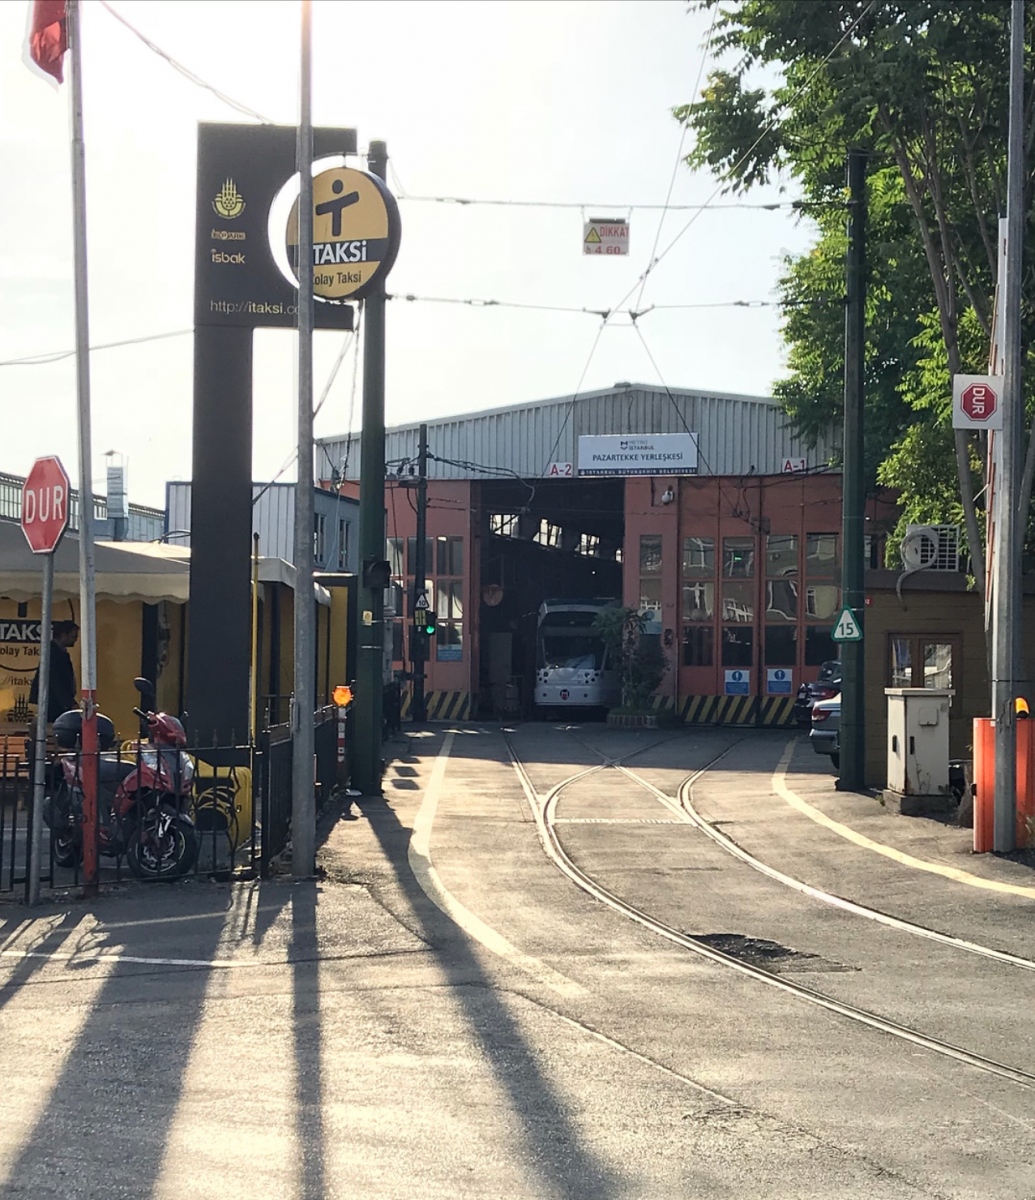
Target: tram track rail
pixel 544 806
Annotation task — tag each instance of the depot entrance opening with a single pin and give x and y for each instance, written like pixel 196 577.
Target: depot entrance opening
pixel 540 540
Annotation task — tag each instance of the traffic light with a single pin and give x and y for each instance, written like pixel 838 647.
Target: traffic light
pixel 426 622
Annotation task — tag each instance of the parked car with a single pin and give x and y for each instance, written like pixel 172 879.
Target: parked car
pixel 826 728
pixel 826 686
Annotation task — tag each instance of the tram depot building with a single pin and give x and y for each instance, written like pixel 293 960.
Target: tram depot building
pixel 703 511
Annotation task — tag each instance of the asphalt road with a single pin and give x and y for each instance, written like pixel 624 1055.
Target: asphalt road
pixel 445 1014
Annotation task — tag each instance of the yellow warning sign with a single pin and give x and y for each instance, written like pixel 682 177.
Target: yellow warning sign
pixel 602 236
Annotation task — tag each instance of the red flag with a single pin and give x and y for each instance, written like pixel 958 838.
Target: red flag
pixel 48 37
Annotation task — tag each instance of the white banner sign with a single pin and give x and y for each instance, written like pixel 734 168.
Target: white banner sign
pixel 977 401
pixel 638 454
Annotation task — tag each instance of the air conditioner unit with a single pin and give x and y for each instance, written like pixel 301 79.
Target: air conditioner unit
pixel 931 548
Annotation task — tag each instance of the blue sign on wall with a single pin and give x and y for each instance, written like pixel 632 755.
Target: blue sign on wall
pixel 779 681
pixel 738 683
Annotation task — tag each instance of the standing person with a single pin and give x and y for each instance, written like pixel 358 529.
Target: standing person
pixel 62 696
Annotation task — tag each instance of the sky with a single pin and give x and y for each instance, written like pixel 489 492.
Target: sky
pixel 567 102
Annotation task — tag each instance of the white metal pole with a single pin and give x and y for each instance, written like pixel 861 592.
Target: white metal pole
pixel 40 748
pixel 87 588
pixel 303 783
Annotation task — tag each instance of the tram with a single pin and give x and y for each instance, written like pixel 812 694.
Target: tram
pixel 572 670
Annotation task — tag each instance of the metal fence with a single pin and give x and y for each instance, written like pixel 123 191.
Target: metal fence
pixel 238 804
pixel 274 757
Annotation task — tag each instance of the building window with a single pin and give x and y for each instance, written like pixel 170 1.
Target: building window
pixel 738 601
pixel 738 558
pixel 411 556
pixel 395 557
pixel 698 646
pixel 319 538
pixel 344 530
pixel 449 600
pixel 503 524
pixel 548 534
pixel 781 645
pixel 698 558
pixel 781 555
pixel 738 646
pixel 450 556
pixel 822 601
pixel 822 556
pixel 820 647
pixel 650 554
pixel 919 661
pixel 698 601
pixel 589 545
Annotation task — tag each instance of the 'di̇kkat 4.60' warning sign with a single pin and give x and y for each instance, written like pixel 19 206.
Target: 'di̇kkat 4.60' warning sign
pixel 600 236
pixel 355 233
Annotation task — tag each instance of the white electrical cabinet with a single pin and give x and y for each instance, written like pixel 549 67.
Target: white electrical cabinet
pixel 918 740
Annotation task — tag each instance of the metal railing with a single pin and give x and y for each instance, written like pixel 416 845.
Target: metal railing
pixel 239 807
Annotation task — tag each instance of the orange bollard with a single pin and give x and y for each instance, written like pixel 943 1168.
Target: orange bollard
pixel 1025 782
pixel 984 784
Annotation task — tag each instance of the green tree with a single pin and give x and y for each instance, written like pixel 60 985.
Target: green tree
pixel 639 660
pixel 922 85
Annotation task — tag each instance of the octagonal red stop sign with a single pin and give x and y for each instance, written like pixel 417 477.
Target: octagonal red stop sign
pixel 45 505
pixel 979 401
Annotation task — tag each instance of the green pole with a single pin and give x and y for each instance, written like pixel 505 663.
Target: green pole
pixel 370 628
pixel 853 499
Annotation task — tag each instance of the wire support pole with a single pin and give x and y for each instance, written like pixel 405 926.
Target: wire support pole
pixel 368 706
pixel 1009 530
pixel 87 569
pixel 853 484
pixel 303 782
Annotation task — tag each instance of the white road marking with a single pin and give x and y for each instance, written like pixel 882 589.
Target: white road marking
pixel 781 788
pixel 431 885
pixel 81 957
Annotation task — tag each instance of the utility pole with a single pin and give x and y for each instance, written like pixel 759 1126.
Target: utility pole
pixel 369 702
pixel 87 577
pixel 419 644
pixel 303 784
pixel 853 498
pixel 1009 528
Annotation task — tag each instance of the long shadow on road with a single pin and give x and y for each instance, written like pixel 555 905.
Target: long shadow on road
pixel 567 1167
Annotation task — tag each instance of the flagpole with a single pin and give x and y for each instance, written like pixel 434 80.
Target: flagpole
pixel 87 585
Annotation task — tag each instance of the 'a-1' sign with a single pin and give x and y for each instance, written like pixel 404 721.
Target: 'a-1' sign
pixel 977 401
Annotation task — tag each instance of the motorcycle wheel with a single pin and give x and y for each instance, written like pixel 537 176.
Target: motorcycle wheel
pixel 65 844
pixel 65 849
pixel 155 855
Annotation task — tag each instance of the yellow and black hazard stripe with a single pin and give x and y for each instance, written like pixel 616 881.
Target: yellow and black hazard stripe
pixel 440 706
pixel 776 711
pixel 448 706
pixel 720 710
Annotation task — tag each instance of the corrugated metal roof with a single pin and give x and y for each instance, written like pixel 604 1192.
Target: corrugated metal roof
pixel 737 434
pixel 273 519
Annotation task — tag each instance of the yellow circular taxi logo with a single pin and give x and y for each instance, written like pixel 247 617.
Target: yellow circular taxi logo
pixel 355 233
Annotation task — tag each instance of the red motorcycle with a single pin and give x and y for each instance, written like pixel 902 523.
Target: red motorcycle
pixel 144 795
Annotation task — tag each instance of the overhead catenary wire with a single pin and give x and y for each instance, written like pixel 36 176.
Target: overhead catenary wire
pixel 46 358
pixel 656 259
pixel 679 153
pixel 186 72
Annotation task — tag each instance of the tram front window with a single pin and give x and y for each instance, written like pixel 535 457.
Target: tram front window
pixel 574 653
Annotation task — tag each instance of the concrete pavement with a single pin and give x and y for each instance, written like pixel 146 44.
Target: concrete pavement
pixel 506 1035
